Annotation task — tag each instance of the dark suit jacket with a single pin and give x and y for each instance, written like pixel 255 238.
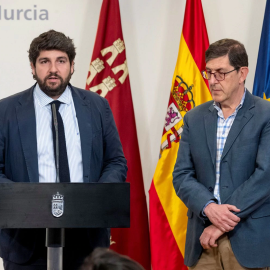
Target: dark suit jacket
pixel 102 155
pixel 244 178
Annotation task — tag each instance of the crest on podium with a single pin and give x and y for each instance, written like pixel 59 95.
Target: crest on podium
pixel 57 205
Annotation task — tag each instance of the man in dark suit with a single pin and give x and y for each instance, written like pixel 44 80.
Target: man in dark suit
pixel 92 152
pixel 222 172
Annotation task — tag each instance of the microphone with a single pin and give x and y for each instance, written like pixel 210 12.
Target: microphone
pixel 55 123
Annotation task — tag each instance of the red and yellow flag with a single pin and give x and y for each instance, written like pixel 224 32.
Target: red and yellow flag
pixel 168 214
pixel 108 76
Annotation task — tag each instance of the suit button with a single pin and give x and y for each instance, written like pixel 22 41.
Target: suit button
pixel 210 189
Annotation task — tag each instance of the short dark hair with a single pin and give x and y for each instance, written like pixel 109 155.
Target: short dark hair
pixel 234 49
pixel 106 259
pixel 51 40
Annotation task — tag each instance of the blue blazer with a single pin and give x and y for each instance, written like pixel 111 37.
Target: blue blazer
pixel 102 155
pixel 244 178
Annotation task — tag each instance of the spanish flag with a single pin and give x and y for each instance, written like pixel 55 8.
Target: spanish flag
pixel 168 214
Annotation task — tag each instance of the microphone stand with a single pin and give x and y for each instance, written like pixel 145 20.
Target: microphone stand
pixel 55 237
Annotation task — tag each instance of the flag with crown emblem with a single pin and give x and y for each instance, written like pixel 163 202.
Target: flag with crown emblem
pixel 108 76
pixel 168 214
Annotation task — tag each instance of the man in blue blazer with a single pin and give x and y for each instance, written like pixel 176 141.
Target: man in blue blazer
pixel 93 148
pixel 222 172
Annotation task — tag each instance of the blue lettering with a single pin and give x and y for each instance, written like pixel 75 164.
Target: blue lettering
pixel 12 15
pixel 28 14
pixel 25 15
pixel 35 13
pixel 18 13
pixel 44 16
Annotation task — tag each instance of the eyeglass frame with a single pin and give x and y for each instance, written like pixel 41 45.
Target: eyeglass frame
pixel 213 73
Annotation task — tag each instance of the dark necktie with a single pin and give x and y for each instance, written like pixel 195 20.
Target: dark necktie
pixel 63 159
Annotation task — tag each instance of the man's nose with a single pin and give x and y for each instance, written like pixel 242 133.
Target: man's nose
pixel 53 67
pixel 213 79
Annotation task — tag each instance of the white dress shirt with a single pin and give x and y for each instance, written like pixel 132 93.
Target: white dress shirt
pixel 46 160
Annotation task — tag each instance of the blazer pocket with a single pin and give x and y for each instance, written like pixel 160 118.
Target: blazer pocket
pixel 262 211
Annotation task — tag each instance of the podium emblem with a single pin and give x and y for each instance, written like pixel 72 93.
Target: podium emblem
pixel 57 205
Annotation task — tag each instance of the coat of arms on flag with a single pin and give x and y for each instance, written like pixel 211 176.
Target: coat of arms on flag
pixel 181 101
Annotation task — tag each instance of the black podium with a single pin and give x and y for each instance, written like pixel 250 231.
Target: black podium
pixel 64 205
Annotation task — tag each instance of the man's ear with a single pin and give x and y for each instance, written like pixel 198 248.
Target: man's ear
pixel 33 68
pixel 72 67
pixel 243 74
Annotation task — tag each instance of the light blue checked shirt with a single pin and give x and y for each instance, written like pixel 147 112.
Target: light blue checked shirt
pixel 46 162
pixel 223 129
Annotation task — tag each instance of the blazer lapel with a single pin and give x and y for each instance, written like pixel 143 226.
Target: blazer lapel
pixel 242 118
pixel 27 128
pixel 83 114
pixel 210 122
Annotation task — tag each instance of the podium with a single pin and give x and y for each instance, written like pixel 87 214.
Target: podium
pixel 63 205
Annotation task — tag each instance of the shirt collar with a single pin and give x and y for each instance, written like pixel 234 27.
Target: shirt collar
pixel 217 105
pixel 44 100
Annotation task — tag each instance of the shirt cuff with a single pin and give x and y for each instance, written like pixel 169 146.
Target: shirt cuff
pixel 203 214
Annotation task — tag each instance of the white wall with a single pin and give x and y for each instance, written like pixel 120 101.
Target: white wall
pixel 151 31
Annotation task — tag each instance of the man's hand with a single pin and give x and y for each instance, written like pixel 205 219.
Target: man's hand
pixel 221 216
pixel 209 237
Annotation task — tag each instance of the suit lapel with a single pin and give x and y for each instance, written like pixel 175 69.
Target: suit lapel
pixel 210 122
pixel 27 128
pixel 83 114
pixel 242 118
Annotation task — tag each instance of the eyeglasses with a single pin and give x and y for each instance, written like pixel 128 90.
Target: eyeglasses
pixel 219 76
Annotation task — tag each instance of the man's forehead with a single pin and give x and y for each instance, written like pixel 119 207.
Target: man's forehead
pixel 218 63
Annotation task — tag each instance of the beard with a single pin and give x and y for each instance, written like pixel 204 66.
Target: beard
pixel 52 91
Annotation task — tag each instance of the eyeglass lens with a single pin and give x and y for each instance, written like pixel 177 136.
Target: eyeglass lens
pixel 218 76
